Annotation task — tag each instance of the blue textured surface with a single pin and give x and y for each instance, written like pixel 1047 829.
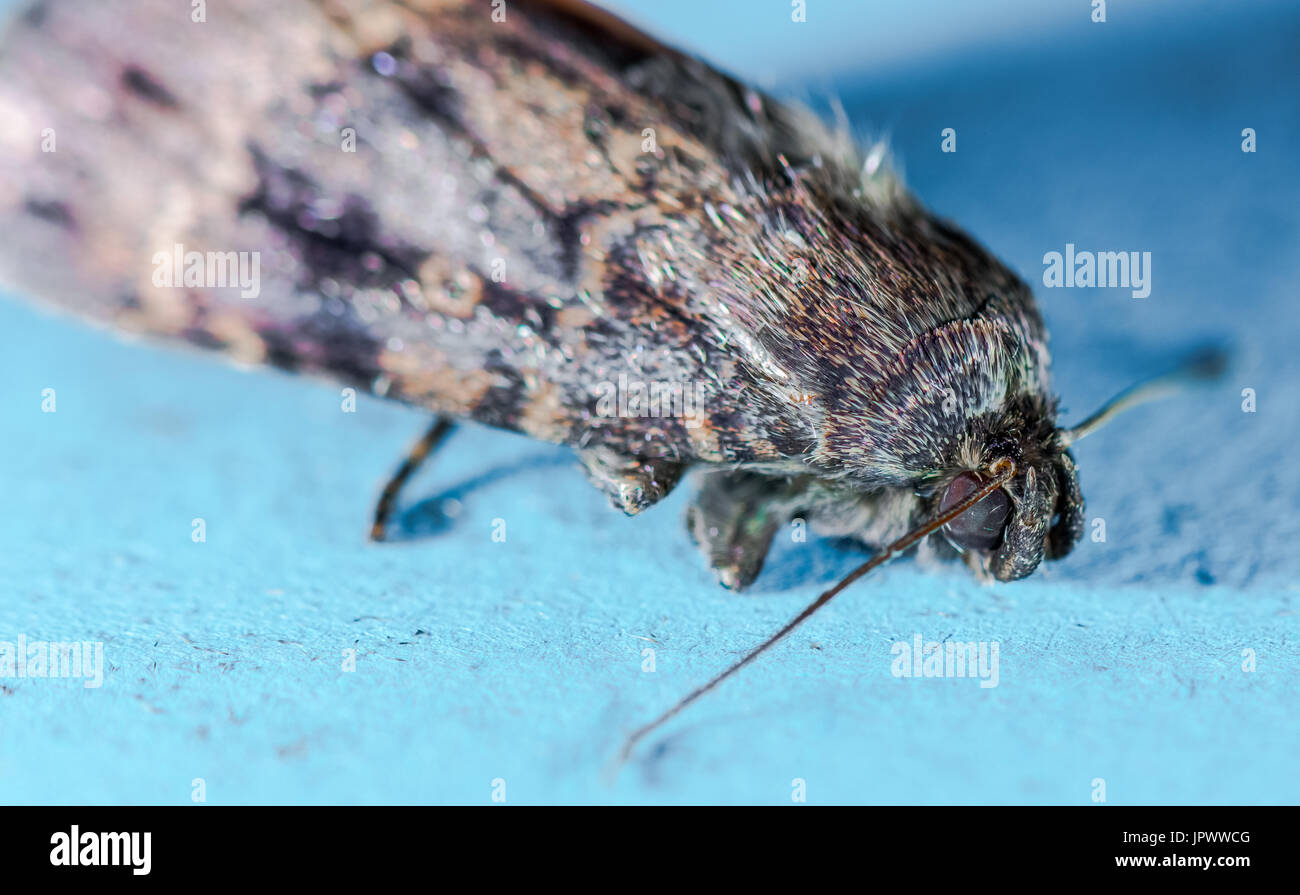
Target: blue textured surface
pixel 522 660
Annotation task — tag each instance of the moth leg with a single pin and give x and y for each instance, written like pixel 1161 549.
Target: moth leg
pixel 630 483
pixel 438 432
pixel 734 518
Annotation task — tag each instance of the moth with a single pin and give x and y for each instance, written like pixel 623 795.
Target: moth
pixel 532 216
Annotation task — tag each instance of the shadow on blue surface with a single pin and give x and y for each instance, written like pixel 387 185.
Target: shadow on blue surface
pixel 435 514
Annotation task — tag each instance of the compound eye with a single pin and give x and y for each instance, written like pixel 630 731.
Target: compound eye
pixel 980 527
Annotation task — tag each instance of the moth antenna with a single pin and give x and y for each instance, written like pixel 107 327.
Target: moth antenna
pixel 1004 470
pixel 1205 365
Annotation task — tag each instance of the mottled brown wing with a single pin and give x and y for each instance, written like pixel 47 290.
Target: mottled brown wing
pixel 526 214
pixel 440 204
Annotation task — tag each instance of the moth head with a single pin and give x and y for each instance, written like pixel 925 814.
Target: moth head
pixel 1037 514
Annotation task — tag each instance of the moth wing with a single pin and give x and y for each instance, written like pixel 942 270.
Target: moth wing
pixel 359 196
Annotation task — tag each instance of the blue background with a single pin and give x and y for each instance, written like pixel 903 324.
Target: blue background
pixel 522 660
